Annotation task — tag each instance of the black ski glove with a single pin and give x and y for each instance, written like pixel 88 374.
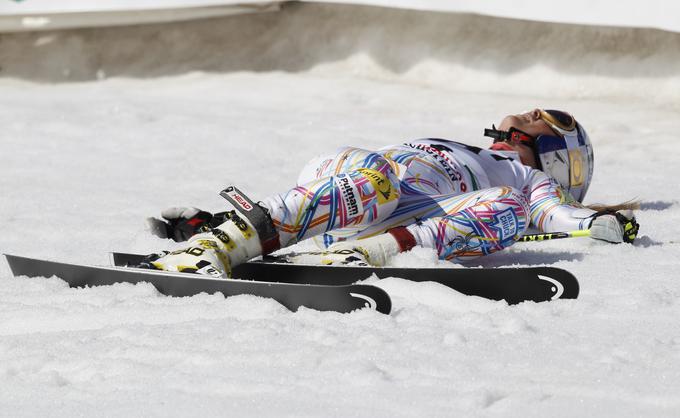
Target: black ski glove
pixel 180 224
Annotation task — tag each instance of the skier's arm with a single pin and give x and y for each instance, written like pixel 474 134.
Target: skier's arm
pixel 551 208
pixel 554 210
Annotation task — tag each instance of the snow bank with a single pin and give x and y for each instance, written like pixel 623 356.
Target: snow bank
pixel 47 14
pixel 458 52
pixel 658 14
pixel 42 15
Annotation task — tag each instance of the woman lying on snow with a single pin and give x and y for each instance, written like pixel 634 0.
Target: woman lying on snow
pixel 367 206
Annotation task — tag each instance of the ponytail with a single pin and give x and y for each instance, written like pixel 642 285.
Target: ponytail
pixel 633 204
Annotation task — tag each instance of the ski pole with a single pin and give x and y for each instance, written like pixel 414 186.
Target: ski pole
pixel 554 235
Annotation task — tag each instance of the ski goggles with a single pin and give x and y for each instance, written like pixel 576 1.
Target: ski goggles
pixel 561 122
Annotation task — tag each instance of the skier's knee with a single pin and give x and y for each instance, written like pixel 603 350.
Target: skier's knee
pixel 343 160
pixel 383 188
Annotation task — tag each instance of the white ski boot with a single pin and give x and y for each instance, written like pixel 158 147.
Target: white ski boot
pixel 372 251
pixel 237 240
pixel 215 252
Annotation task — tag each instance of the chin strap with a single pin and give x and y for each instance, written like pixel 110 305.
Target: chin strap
pixel 513 135
pixel 502 138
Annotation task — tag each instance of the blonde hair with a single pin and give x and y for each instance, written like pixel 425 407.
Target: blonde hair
pixel 633 204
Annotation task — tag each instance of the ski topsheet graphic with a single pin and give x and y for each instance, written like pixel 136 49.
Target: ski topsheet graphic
pixel 515 285
pixel 345 298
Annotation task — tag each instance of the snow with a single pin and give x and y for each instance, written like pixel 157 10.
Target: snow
pixel 84 162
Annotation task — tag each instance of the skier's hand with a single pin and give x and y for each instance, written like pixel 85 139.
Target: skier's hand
pixel 615 227
pixel 180 223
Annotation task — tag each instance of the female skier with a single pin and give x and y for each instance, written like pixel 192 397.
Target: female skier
pixel 366 206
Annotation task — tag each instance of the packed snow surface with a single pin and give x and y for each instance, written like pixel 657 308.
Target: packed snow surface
pixel 96 138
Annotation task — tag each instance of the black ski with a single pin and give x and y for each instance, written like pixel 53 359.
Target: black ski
pixel 515 285
pixel 344 298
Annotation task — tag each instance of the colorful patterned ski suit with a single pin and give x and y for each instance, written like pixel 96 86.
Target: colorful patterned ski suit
pixel 461 200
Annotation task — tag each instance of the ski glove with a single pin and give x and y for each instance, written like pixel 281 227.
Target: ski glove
pixel 182 223
pixel 615 227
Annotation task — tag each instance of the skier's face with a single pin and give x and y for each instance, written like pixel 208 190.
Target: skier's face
pixel 531 124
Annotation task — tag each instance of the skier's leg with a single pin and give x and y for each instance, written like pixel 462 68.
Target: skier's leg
pixel 483 222
pixel 343 160
pixel 364 194
pixel 459 227
pixel 355 189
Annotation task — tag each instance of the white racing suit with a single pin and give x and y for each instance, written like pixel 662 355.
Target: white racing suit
pixel 463 201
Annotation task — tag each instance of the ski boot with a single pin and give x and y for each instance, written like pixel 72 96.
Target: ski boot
pixel 372 251
pixel 241 237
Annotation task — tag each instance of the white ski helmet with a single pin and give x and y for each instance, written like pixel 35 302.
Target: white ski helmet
pixel 566 156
